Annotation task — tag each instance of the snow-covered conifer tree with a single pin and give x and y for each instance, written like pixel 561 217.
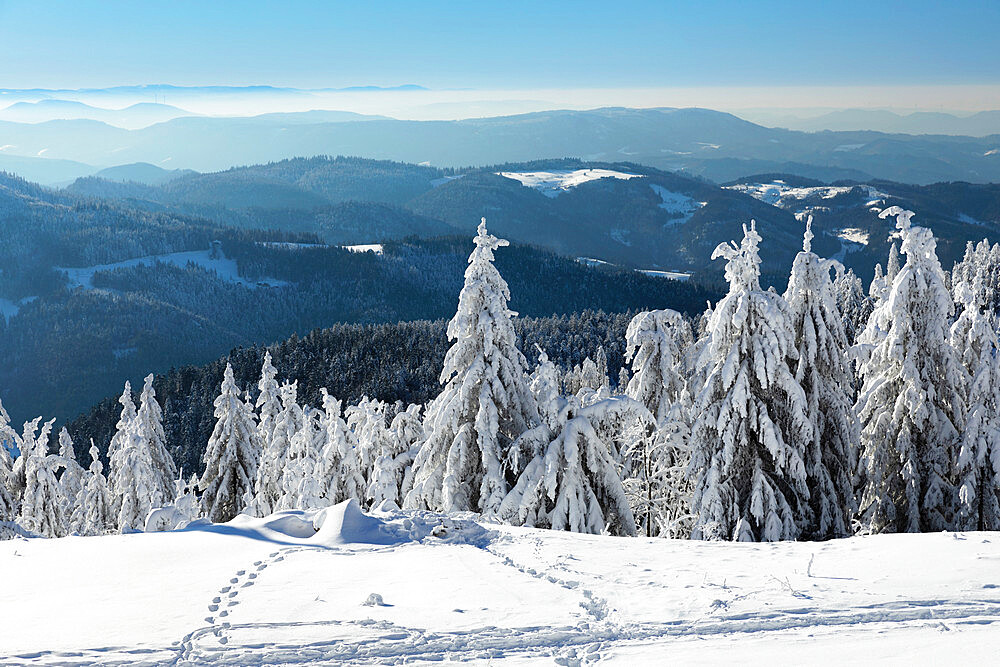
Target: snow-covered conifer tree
pixel 656 460
pixel 823 370
pixel 271 468
pixel 911 396
pixel 339 469
pixel 72 477
pixel 974 337
pixel 94 510
pixel 118 441
pixel 751 429
pixel 43 509
pixel 544 384
pixel 573 483
pixel 367 420
pixel 134 481
pixel 268 401
pixel 149 420
pixel 302 487
pixel 9 505
pixel 231 457
pixel 390 476
pixel 854 305
pixel 486 403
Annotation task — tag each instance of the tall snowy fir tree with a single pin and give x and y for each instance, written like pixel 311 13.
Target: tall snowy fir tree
pixel 302 488
pixel 72 477
pixel 268 400
pixel 118 441
pixel 270 465
pixel 94 512
pixel 656 462
pixel 9 503
pixel 232 455
pixel 339 469
pixel 911 400
pixel 43 509
pixel 823 370
pixel 485 404
pixel 390 476
pixel 149 420
pixel 134 480
pixel 974 337
pixel 751 429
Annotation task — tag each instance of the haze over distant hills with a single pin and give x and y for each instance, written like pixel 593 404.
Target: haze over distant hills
pixel 715 145
pixel 980 124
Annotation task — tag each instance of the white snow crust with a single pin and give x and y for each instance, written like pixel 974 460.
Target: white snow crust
pixel 335 586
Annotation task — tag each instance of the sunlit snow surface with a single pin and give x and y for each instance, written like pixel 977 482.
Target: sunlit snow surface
pixel 225 268
pixel 279 591
pixel 554 183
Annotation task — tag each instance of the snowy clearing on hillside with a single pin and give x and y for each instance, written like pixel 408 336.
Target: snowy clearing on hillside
pixel 225 268
pixel 677 203
pixel 9 308
pixel 554 183
pixel 365 247
pixel 673 275
pixel 853 234
pixel 335 585
pixel 780 194
pixel 438 182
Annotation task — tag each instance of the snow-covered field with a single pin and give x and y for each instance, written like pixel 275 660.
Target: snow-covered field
pixel 554 183
pixel 224 267
pixel 337 586
pixel 780 194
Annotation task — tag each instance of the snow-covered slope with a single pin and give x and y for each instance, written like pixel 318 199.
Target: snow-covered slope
pixel 225 268
pixel 338 586
pixel 554 183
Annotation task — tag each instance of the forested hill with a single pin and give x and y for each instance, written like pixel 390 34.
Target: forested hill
pixel 63 352
pixel 351 361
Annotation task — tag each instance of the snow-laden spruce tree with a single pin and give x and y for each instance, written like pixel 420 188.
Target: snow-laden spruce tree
pixel 751 428
pixel 302 487
pixel 367 420
pixel 486 403
pixel 824 372
pixel 43 508
pixel 73 474
pixel 118 441
pixel 271 468
pixel 572 482
pixel 149 421
pixel 853 303
pixel 911 398
pixel 134 481
pixel 231 457
pixel 544 385
pixel 9 502
pixel 974 337
pixel 655 461
pixel 391 472
pixel 94 510
pixel 339 470
pixel 268 400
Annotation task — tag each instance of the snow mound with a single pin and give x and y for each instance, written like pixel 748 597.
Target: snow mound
pixel 554 183
pixel 346 524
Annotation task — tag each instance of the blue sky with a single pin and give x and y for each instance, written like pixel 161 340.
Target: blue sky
pixel 510 44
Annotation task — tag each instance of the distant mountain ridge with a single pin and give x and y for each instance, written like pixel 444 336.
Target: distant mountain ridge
pixel 980 124
pixel 716 145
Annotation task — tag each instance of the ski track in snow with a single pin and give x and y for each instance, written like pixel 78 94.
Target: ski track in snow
pixel 600 628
